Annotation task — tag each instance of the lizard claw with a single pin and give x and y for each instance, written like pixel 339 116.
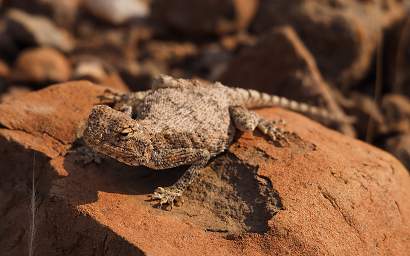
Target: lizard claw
pixel 167 197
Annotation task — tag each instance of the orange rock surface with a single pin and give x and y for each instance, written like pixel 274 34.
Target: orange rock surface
pixel 322 194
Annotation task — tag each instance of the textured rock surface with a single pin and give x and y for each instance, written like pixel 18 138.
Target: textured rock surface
pixel 280 64
pixel 342 34
pixel 323 194
pixel 198 17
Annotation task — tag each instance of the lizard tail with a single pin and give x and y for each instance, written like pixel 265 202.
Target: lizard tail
pixel 255 99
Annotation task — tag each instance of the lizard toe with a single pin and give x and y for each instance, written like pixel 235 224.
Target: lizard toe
pixel 167 197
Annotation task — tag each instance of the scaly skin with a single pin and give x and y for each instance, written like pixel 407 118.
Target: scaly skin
pixel 180 122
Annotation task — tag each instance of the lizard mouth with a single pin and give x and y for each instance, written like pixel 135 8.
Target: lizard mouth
pixel 119 153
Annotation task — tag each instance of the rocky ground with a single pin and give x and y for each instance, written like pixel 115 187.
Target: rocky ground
pixel 324 194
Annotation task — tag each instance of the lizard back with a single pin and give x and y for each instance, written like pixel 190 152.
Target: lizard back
pixel 196 116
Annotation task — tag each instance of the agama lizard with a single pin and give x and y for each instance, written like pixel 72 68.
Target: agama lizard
pixel 181 122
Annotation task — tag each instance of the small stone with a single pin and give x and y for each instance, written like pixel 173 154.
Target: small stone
pixel 37 30
pixel 95 70
pixel 118 11
pixel 42 65
pixel 89 69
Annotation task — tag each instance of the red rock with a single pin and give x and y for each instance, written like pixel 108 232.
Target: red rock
pixel 198 18
pixel 96 71
pixel 280 64
pixel 89 69
pixel 13 92
pixel 342 35
pixel 324 193
pixel 114 81
pixel 42 65
pixel 52 112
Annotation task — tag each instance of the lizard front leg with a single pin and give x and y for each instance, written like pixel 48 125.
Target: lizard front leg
pixel 246 120
pixel 198 158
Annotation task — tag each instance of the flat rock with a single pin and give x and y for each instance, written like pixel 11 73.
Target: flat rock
pixel 199 18
pixel 52 113
pixel 42 65
pixel 322 194
pixel 342 35
pixel 280 64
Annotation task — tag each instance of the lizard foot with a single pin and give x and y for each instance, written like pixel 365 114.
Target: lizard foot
pixel 167 197
pixel 272 129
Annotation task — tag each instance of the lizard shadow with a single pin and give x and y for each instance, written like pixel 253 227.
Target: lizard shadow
pixel 230 194
pixel 112 176
pixel 228 186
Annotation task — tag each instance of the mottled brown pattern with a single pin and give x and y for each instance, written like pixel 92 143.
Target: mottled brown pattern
pixel 180 122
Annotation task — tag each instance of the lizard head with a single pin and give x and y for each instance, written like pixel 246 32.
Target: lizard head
pixel 117 135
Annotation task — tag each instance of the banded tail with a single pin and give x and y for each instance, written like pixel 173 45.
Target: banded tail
pixel 255 99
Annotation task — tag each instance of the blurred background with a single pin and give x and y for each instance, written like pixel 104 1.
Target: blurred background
pixel 348 56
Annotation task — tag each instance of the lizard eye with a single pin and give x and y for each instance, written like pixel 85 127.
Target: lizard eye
pixel 126 131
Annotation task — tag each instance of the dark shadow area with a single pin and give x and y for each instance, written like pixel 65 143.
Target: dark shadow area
pixel 59 228
pixel 230 193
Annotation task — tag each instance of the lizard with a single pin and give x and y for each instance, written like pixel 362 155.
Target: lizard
pixel 182 122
